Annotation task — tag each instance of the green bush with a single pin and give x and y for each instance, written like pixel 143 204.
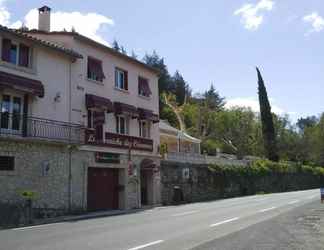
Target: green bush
pixel 261 168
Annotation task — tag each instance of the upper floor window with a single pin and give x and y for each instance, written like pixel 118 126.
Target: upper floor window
pixel 122 125
pixel 18 54
pixel 143 87
pixel 144 129
pixel 95 71
pixel 121 79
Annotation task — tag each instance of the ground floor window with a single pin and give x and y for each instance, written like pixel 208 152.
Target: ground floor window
pixel 7 163
pixel 11 112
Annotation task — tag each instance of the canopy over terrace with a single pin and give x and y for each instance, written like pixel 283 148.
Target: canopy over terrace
pixel 178 141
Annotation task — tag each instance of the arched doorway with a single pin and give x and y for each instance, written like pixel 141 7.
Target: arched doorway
pixel 147 175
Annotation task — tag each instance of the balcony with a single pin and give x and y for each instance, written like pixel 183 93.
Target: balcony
pixel 119 141
pixel 22 126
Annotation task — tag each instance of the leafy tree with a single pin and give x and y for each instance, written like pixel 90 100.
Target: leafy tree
pixel 268 130
pixel 307 122
pixel 180 87
pixel 234 129
pixel 157 62
pixel 213 100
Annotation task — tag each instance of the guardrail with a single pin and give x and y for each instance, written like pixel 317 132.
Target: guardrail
pixel 221 159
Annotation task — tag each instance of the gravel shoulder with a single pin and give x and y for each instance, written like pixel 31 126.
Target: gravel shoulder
pixel 300 229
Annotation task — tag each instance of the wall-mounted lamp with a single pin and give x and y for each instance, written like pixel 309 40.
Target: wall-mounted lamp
pixel 57 97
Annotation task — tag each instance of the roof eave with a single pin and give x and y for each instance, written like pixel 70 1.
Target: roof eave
pixel 39 42
pixel 116 53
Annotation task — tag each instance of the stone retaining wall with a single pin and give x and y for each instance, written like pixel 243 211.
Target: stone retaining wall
pixel 185 182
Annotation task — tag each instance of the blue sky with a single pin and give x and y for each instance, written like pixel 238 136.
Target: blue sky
pixel 210 41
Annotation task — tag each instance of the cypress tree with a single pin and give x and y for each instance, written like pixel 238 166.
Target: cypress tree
pixel 268 130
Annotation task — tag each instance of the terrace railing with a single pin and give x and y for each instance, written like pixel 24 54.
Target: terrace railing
pixel 18 125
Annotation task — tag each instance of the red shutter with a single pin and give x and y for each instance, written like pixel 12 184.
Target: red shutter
pixel 99 133
pixel 98 117
pixel 144 86
pixel 6 45
pixel 126 80
pixel 23 55
pixel 95 66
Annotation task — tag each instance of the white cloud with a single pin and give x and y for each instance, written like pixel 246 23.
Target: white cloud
pixel 252 14
pixel 87 24
pixel 4 13
pixel 316 21
pixel 253 104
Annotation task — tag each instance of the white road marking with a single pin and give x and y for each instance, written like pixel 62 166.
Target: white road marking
pixel 186 213
pixel 262 199
pixel 146 245
pixel 223 222
pixel 293 202
pixel 267 209
pixel 37 226
pixel 311 197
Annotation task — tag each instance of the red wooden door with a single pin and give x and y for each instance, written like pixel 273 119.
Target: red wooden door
pixel 102 189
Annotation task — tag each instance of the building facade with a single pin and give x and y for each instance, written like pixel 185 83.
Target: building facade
pixel 107 103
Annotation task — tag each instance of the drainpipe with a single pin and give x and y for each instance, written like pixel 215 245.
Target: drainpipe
pixel 70 146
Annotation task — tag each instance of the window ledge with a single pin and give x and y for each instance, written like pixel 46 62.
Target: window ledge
pixel 148 98
pixel 122 90
pixel 94 81
pixel 17 67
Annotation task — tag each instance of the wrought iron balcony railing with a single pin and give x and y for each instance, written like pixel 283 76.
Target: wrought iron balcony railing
pixel 19 125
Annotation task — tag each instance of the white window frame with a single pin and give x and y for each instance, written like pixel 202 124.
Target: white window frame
pixel 144 125
pixel 118 83
pixel 10 121
pixel 118 124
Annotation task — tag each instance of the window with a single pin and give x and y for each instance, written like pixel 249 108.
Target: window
pixel 95 71
pixel 121 125
pixel 7 163
pixel 143 87
pixel 15 54
pixel 144 129
pixel 121 79
pixel 11 112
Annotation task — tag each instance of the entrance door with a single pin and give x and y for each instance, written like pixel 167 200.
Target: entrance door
pixel 144 190
pixel 102 189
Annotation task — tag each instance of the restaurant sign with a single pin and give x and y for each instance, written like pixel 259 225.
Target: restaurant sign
pixel 103 157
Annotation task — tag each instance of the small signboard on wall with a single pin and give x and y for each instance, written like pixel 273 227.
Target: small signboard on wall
pixel 185 173
pixel 45 168
pixel 104 157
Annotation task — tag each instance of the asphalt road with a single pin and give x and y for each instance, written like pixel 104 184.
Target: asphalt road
pixel 173 228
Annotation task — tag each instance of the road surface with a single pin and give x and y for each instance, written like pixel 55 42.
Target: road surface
pixel 197 225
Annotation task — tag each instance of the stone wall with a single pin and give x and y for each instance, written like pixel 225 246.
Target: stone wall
pixel 43 168
pixel 184 182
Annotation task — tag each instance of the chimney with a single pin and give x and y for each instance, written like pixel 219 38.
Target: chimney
pixel 44 19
